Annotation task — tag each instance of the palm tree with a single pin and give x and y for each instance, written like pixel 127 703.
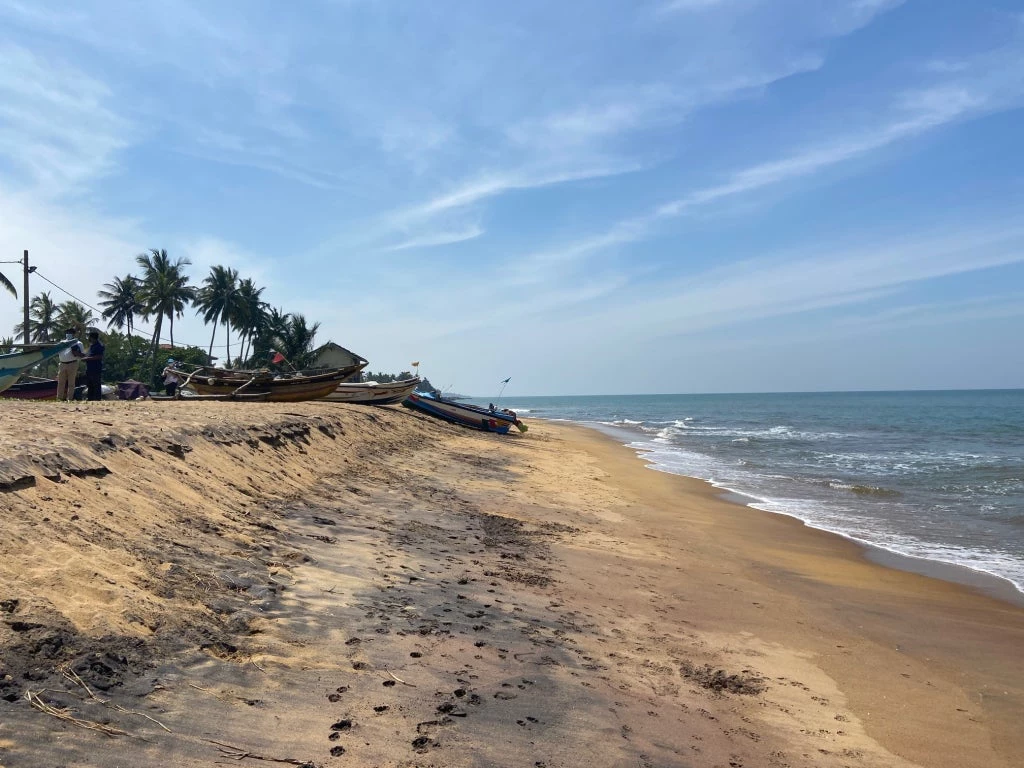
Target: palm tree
pixel 297 341
pixel 251 312
pixel 8 285
pixel 43 318
pixel 43 313
pixel 120 302
pixel 272 327
pixel 71 314
pixel 217 302
pixel 163 290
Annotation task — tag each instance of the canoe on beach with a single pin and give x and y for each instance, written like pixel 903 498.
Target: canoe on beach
pixel 288 387
pixel 12 364
pixel 373 392
pixel 474 416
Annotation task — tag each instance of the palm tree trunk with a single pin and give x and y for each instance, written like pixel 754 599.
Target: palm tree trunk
pixel 170 316
pixel 155 344
pixel 227 331
pixel 210 353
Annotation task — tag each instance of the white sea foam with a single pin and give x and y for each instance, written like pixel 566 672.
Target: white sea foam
pixel 779 432
pixel 730 475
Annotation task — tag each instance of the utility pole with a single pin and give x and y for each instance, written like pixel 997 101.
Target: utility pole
pixel 25 297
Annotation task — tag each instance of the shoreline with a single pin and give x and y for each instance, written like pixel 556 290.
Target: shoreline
pixel 985 582
pixel 332 585
pixel 973 637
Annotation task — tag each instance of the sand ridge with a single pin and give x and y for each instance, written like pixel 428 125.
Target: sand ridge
pixel 331 585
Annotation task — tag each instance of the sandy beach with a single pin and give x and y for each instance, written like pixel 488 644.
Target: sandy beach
pixel 198 584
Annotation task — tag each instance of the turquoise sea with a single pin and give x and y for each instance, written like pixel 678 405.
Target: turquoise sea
pixel 937 476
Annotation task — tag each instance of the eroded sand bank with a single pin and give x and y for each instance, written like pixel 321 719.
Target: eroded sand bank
pixel 331 585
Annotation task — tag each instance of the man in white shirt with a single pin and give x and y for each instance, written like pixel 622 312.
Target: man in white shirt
pixel 67 371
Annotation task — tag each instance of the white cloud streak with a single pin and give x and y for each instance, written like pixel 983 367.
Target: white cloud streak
pixel 997 86
pixel 438 238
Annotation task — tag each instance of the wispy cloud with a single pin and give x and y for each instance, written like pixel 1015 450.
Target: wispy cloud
pixel 992 83
pixel 494 184
pixel 233 149
pixel 56 123
pixel 675 6
pixel 816 279
pixel 438 238
pixel 925 110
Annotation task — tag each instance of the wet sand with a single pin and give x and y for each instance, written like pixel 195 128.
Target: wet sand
pixel 319 584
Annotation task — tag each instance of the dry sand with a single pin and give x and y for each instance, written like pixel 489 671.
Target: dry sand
pixel 319 584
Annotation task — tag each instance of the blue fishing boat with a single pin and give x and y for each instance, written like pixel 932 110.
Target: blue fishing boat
pixel 474 416
pixel 12 364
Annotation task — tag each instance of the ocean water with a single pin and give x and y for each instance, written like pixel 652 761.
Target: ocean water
pixel 932 475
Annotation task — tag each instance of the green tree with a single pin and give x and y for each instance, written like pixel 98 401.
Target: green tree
pixel 43 312
pixel 121 359
pixel 164 291
pixel 124 360
pixel 120 302
pixel 8 285
pixel 272 327
pixel 43 316
pixel 297 341
pixel 217 302
pixel 72 314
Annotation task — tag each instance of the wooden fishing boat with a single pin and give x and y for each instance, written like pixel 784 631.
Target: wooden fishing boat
pixel 374 392
pixel 487 419
pixel 11 365
pixel 294 386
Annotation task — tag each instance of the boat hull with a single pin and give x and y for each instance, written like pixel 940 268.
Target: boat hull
pixel 271 394
pixel 459 413
pixel 38 390
pixel 373 393
pixel 11 365
pixel 283 389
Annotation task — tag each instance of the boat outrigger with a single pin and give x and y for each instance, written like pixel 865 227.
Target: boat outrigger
pixel 12 364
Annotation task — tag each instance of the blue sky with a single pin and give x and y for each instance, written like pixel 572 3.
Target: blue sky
pixel 589 197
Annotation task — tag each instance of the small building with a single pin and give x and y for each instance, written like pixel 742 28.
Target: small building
pixel 332 355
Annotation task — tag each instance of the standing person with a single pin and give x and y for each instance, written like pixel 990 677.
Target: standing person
pixel 67 371
pixel 171 378
pixel 94 367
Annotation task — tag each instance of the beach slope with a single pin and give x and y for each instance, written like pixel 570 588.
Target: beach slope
pixel 319 584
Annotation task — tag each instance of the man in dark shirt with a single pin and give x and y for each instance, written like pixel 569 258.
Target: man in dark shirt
pixel 94 367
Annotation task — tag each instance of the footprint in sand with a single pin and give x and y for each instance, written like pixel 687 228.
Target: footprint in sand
pixel 422 743
pixel 333 697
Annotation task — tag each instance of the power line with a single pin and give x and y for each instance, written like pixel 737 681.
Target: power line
pixel 99 312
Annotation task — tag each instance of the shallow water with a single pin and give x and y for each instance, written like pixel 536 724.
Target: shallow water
pixel 932 475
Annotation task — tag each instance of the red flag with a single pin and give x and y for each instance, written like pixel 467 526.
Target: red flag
pixel 277 358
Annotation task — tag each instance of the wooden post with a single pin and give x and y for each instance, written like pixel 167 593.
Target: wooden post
pixel 25 298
